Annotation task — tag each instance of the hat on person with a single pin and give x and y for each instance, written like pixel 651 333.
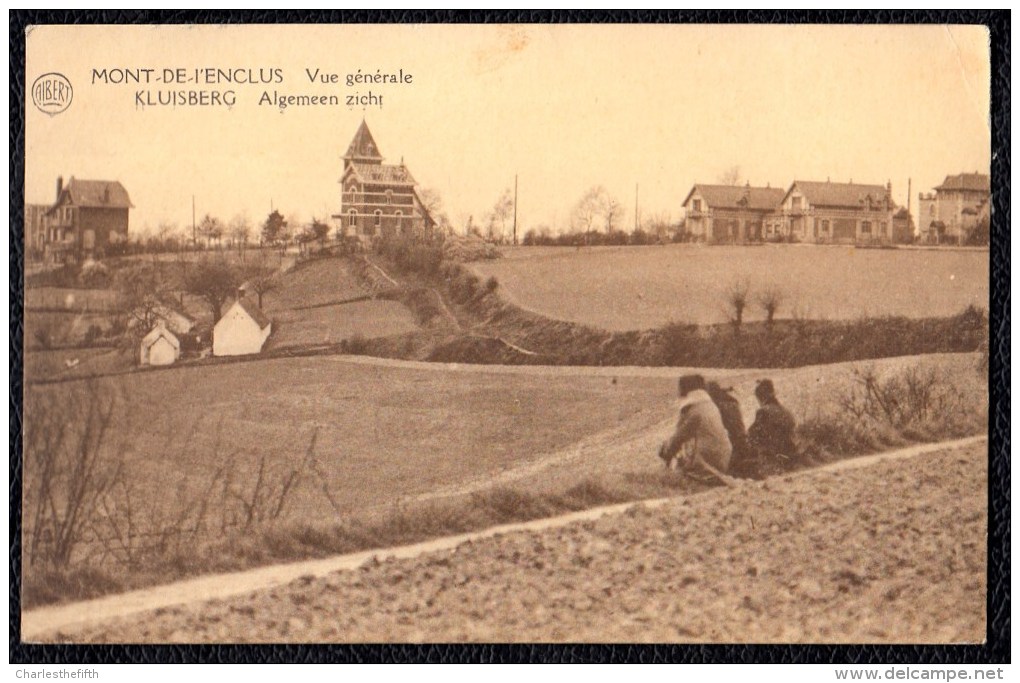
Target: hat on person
pixel 689 383
pixel 765 389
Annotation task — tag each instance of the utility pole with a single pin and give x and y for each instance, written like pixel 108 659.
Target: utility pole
pixel 636 221
pixel 515 209
pixel 194 226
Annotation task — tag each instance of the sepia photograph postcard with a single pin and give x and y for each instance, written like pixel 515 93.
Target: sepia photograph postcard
pixel 506 333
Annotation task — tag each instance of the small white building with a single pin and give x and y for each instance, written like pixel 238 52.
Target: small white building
pixel 160 346
pixel 243 329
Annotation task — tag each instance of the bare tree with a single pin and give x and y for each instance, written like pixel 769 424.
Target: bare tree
pixel 240 232
pixel 731 176
pixel 260 275
pixel 67 468
pixel 141 291
pixel 588 209
pixel 770 299
pixel 737 296
pixel 612 209
pixel 501 211
pixel 433 203
pixel 658 224
pixel 166 233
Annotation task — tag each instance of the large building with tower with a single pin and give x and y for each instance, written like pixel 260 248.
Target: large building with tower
pixel 955 208
pixel 378 199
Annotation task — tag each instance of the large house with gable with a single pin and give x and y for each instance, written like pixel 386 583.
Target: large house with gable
pixel 827 212
pixel 730 213
pixel 379 199
pixel 86 218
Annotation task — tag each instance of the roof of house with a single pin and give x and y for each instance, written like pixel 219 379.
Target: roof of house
pixel 739 196
pixel 838 194
pixel 977 182
pixel 160 332
pixel 95 193
pixel 383 173
pixel 255 312
pixel 363 145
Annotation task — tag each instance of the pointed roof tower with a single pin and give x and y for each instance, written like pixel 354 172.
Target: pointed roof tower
pixel 363 148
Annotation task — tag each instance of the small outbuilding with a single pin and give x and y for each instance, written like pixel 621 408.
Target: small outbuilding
pixel 242 330
pixel 160 346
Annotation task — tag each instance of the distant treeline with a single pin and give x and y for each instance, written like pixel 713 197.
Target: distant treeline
pixel 596 238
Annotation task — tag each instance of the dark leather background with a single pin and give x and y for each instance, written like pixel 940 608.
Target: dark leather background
pixel 995 650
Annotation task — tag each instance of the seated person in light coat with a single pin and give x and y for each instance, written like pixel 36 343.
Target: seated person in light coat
pixel 701 426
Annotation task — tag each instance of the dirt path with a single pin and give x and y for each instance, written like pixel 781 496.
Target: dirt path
pixel 884 549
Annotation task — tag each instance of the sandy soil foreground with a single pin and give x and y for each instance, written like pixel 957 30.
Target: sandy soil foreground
pixel 893 552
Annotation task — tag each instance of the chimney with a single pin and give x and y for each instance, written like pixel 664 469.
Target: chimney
pixel 60 185
pixel 908 195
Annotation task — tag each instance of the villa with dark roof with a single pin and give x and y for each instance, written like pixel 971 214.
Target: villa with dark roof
pixel 378 198
pixel 730 213
pixel 86 218
pixel 955 208
pixel 827 212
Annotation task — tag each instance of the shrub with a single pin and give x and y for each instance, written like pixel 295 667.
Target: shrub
pixel 491 285
pixel 92 334
pixel 94 275
pixel 355 345
pixel 875 413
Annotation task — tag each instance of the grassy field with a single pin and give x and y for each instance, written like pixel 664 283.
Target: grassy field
pixel 629 288
pixel 384 433
pixel 333 324
pixel 205 446
pixel 306 309
pixel 314 283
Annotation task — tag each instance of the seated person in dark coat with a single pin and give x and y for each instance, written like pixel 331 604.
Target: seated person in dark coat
pixel 772 434
pixel 744 460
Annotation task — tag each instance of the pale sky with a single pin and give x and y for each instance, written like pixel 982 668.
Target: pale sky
pixel 564 107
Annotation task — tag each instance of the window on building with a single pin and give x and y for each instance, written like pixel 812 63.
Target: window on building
pixel 389 196
pixel 882 227
pixel 931 210
pixel 697 205
pixel 797 203
pixel 825 227
pixel 866 227
pixel 352 218
pixel 378 218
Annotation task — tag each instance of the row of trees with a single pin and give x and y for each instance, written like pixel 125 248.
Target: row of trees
pixel 147 287
pixel 238 233
pixel 596 218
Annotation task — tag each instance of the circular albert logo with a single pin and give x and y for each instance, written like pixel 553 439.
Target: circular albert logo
pixel 52 93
